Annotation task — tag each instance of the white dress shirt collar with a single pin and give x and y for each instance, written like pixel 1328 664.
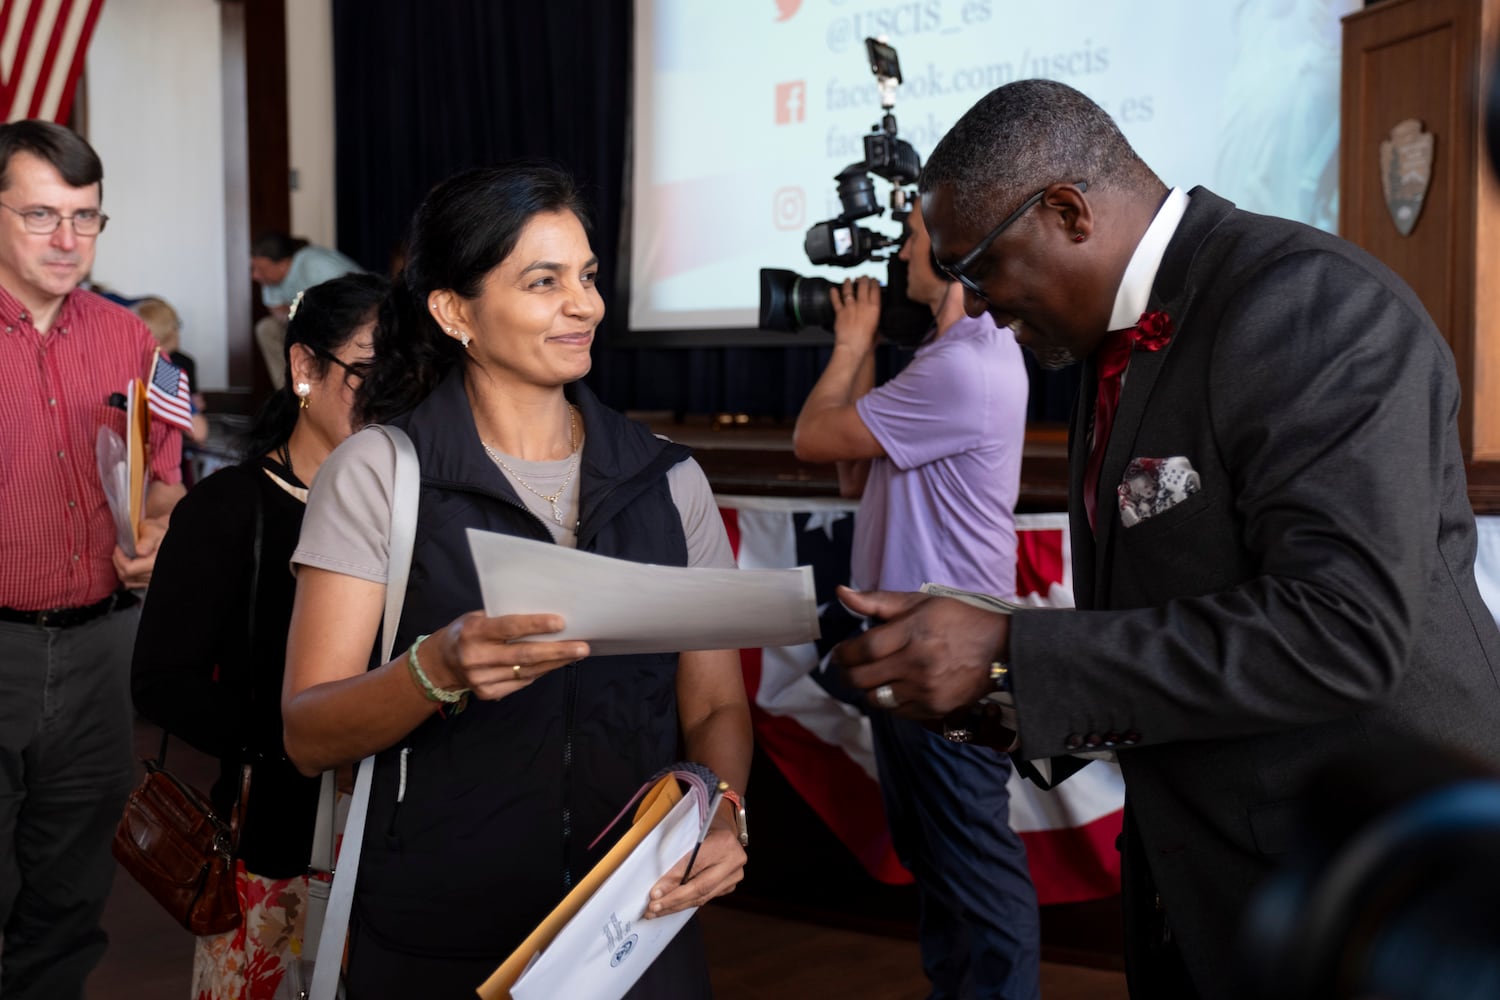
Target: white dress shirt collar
pixel 1140 273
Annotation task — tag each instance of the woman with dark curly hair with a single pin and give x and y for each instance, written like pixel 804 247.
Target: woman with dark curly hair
pixel 498 761
pixel 207 676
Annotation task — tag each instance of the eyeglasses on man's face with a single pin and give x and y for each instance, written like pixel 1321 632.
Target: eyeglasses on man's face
pixel 956 269
pixel 41 221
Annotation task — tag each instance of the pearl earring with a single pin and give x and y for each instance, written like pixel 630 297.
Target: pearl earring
pixel 303 391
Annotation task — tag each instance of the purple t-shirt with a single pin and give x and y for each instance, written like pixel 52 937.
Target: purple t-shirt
pixel 940 506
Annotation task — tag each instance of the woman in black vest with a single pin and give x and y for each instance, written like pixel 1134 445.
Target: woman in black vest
pixel 498 762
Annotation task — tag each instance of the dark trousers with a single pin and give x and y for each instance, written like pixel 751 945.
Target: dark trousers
pixel 65 770
pixel 949 812
pixel 1153 963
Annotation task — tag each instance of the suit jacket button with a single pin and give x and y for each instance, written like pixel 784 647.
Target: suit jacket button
pixel 1073 742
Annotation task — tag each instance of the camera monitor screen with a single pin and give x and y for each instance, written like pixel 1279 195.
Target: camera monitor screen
pixel 884 62
pixel 744 112
pixel 843 240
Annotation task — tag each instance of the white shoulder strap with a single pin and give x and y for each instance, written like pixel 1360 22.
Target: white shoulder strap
pixel 404 495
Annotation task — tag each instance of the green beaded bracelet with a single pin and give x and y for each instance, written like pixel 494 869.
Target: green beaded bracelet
pixel 430 690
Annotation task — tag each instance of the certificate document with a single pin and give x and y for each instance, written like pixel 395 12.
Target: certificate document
pixel 618 606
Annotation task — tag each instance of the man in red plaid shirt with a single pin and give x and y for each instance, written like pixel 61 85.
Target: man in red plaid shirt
pixel 67 617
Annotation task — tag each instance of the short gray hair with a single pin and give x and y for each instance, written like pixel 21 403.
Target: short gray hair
pixel 1024 136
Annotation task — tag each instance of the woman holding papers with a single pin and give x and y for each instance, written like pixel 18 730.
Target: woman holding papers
pixel 209 650
pixel 498 760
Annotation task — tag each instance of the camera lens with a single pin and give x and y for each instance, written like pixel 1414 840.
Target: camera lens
pixel 791 302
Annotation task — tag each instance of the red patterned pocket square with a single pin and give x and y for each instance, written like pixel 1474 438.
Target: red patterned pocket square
pixel 1152 485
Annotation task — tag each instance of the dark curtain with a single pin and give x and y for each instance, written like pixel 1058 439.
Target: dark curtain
pixel 425 89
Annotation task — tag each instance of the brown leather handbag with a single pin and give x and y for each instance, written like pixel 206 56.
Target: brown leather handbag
pixel 181 852
pixel 169 838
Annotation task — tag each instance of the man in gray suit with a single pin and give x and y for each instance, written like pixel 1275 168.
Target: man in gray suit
pixel 1272 541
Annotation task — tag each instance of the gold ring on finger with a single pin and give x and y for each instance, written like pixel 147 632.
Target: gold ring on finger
pixel 517 669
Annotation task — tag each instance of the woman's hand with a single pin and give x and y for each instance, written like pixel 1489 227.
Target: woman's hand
pixel 719 867
pixel 484 655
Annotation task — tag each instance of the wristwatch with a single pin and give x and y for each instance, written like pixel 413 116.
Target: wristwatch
pixel 1000 677
pixel 991 721
pixel 739 817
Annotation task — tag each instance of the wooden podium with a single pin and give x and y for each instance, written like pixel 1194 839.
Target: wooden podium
pixel 1428 62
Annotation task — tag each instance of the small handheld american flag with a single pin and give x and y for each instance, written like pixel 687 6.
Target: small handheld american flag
pixel 168 395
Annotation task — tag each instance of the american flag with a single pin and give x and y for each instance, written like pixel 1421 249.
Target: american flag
pixel 42 45
pixel 805 722
pixel 168 396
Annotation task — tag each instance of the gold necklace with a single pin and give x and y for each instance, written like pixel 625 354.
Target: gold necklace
pixel 572 467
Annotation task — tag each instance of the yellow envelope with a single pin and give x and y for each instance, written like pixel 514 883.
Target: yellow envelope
pixel 137 443
pixel 655 805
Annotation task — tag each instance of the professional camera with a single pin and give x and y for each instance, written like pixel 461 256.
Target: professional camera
pixel 789 301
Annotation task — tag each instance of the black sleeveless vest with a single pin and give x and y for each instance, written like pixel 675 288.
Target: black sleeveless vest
pixel 480 822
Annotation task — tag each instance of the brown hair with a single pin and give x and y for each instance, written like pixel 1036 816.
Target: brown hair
pixel 61 147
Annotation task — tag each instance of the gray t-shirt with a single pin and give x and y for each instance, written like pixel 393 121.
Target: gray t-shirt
pixel 347 525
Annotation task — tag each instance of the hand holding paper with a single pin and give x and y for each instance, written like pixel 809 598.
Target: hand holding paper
pixel 134 568
pixel 495 656
pixel 714 870
pixel 934 653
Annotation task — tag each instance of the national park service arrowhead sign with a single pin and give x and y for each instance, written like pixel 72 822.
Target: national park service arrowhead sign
pixel 1405 171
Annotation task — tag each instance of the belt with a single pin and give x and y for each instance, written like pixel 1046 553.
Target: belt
pixel 69 617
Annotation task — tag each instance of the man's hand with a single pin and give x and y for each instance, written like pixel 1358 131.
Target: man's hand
pixel 136 573
pixel 856 310
pixel 934 653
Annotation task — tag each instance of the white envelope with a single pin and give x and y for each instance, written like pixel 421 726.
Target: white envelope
pixel 606 947
pixel 619 606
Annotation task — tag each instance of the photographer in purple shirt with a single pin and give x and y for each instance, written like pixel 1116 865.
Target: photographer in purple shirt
pixel 935 456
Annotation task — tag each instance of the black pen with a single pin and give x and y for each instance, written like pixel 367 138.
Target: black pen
pixel 713 807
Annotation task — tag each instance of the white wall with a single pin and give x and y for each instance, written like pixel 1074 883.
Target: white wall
pixel 309 85
pixel 155 115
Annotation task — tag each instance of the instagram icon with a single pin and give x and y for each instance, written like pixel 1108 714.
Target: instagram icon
pixel 789 208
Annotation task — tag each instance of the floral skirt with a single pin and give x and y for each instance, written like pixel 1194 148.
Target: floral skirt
pixel 252 961
pixel 261 958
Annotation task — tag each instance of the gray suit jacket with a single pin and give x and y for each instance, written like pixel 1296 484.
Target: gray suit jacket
pixel 1316 596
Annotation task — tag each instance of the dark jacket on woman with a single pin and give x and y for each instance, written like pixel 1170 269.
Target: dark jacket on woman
pixel 501 800
pixel 201 674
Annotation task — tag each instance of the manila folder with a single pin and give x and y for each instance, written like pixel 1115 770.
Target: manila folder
pixel 594 943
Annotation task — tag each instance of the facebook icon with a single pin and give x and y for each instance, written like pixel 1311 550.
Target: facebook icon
pixel 791 102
